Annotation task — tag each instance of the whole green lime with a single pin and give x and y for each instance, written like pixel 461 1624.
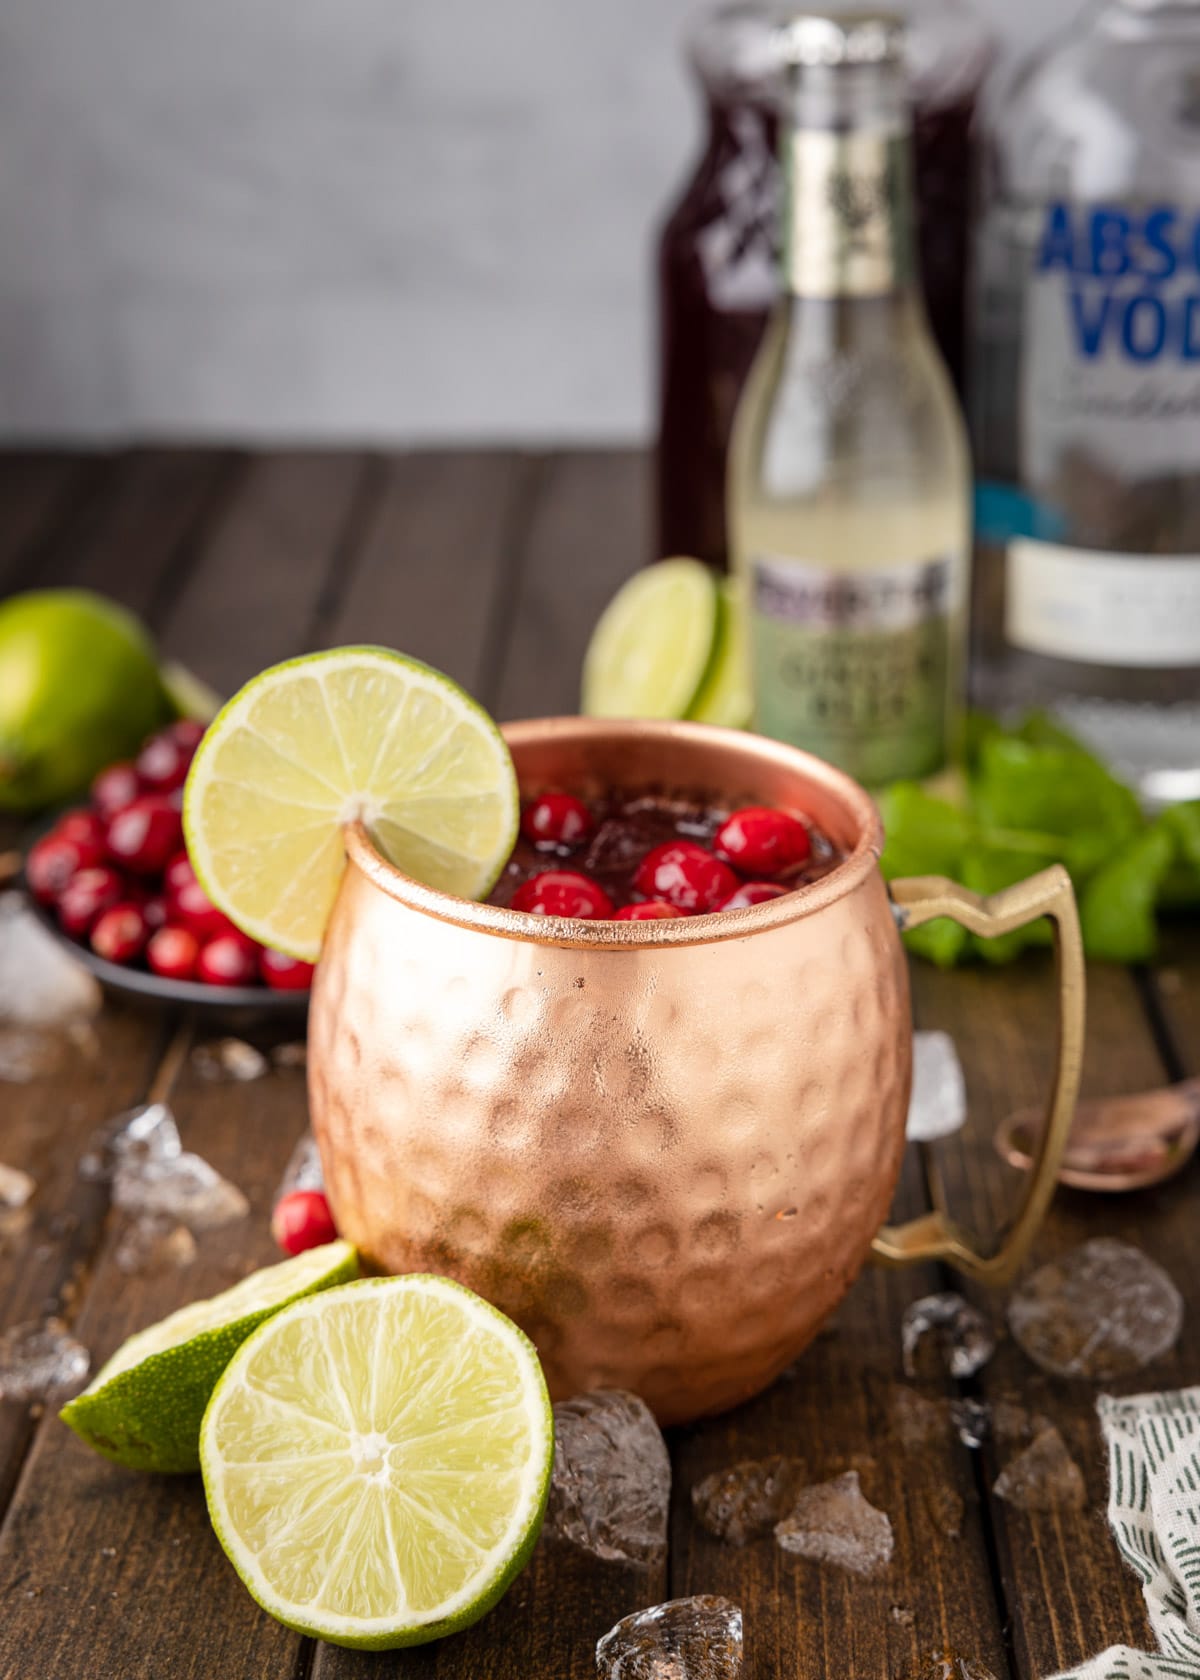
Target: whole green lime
pixel 79 688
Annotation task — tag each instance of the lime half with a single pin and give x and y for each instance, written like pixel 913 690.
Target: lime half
pixel 307 746
pixel 725 696
pixel 143 1409
pixel 652 647
pixel 377 1460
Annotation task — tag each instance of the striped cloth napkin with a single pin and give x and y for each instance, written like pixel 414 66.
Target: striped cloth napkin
pixel 1154 1508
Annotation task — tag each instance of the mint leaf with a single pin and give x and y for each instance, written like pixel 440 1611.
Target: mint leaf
pixel 1117 907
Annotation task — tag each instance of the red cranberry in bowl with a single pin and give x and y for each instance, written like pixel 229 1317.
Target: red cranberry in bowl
pixel 115 788
pixel 145 834
pixel 86 896
pixel 228 960
pixel 172 952
pixel 557 819
pixel 178 872
pixel 752 892
pixel 563 892
pixel 282 973
pixel 187 733
pixel 162 764
pixel 84 830
pixel 686 876
pixel 761 841
pixel 154 908
pixel 49 865
pixel 653 910
pixel 120 933
pixel 190 904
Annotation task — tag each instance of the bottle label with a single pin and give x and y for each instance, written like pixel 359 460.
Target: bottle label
pixel 1138 610
pixel 857 668
pixel 1110 359
pixel 848 211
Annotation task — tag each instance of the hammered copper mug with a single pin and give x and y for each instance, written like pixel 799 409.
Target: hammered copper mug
pixel 664 1148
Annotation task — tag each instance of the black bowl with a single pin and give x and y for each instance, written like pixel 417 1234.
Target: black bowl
pixel 139 983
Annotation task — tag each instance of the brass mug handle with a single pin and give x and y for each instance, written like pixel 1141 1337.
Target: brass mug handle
pixel 935 1236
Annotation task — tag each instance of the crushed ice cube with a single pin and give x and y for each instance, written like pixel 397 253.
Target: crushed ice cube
pixel 972 1419
pixel 131 1138
pixel 183 1189
pixel 1100 1312
pixel 1014 1422
pixel 154 1244
pixel 16 1187
pixel 835 1523
pixel 612 1478
pixel 902 1615
pixel 35 1359
pixel 938 1105
pixel 40 984
pixel 946 1509
pixel 745 1501
pixel 919 1421
pixel 686 1639
pixel 303 1171
pixel 962 1334
pixel 229 1059
pixel 1043 1478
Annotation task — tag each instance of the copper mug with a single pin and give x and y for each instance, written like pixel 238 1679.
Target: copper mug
pixel 664 1148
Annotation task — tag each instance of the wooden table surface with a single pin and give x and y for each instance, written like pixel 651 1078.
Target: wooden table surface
pixel 493 566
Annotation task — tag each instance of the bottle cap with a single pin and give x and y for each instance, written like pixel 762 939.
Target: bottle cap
pixel 819 40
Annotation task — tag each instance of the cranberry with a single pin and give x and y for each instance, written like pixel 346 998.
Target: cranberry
pixel 752 892
pixel 163 763
pixel 284 974
pixel 49 865
pixel 172 953
pixel 686 876
pixel 86 896
pixel 761 841
pixel 154 908
pixel 115 788
pixel 563 892
pixel 557 819
pixel 145 834
pixel 120 933
pixel 178 872
pixel 85 831
pixel 228 960
pixel 187 733
pixel 654 910
pixel 302 1220
pixel 191 905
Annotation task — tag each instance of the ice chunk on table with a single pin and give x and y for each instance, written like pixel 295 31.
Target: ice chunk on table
pixel 745 1501
pixel 1043 1478
pixel 37 1359
pixel 685 1639
pixel 963 1335
pixel 1101 1311
pixel 303 1170
pixel 835 1523
pixel 611 1486
pixel 938 1105
pixel 229 1059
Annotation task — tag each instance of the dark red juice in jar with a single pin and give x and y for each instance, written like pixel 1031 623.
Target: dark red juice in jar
pixel 717 274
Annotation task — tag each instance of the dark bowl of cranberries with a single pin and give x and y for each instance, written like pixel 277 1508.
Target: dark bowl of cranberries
pixel 112 880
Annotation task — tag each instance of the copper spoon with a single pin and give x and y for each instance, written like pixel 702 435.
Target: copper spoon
pixel 1116 1143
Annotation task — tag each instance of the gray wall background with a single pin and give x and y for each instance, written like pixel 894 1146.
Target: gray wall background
pixel 340 219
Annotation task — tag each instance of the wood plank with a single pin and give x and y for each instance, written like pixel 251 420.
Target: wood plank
pixel 432 566
pixel 254 594
pixel 125 1566
pixel 588 530
pixel 38 493
pixel 837 1410
pixel 1065 1588
pixel 1173 987
pixel 130 537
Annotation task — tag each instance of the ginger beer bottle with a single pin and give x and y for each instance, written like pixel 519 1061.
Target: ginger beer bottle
pixel 849 481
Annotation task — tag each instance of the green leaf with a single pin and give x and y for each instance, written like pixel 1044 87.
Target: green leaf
pixel 922 835
pixel 1117 907
pixel 1053 789
pixel 941 941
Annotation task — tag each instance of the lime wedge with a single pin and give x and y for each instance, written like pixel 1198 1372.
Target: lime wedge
pixel 143 1409
pixel 307 746
pixel 651 649
pixel 377 1461
pixel 725 696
